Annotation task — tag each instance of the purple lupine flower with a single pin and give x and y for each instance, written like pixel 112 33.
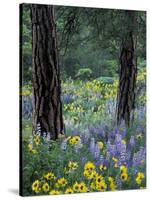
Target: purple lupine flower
pixel 78 146
pixel 98 94
pixel 96 151
pixel 122 157
pixel 108 156
pixel 129 163
pixel 103 134
pixel 141 112
pixel 111 135
pixel 118 182
pixel 118 138
pixel 101 159
pixel 97 163
pixel 92 130
pixel 92 145
pixel 111 148
pixel 75 132
pixel 132 141
pixel 108 146
pixel 135 171
pixel 139 129
pixel 96 131
pixel 68 98
pixel 110 107
pixel 139 157
pixel 85 136
pixel 106 163
pixel 123 132
pixel 128 155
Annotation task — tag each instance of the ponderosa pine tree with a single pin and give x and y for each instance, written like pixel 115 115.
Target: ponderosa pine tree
pixel 47 112
pixel 128 69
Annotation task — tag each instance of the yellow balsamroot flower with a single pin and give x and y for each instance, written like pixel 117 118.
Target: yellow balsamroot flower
pixel 114 159
pixel 76 187
pixel 101 109
pixel 57 185
pixel 74 140
pixel 90 174
pixel 139 136
pixel 54 192
pixel 45 187
pixel 71 108
pixel 140 176
pixel 30 147
pixel 36 186
pixel 65 107
pixel 123 142
pixel 141 76
pixel 92 186
pixel 37 140
pixel 66 170
pixel 124 176
pixel 110 179
pixel 89 166
pixel 25 92
pixel 49 176
pixel 112 184
pixel 123 169
pixel 82 187
pixel 101 145
pixel 79 109
pixel 69 191
pixel 142 161
pixel 116 165
pixel 75 119
pixel 101 186
pixel 99 179
pixel 102 167
pixel 138 180
pixel 62 182
pixel 116 162
pixel 72 165
pixel 68 138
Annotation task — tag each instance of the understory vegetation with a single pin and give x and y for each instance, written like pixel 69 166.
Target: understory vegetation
pixel 95 154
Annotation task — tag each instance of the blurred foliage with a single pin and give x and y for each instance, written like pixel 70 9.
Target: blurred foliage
pixel 84 73
pixel 87 38
pixel 26 45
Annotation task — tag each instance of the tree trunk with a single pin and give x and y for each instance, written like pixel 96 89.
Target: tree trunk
pixel 128 71
pixel 47 114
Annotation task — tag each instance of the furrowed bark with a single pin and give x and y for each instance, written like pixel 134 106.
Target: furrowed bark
pixel 46 76
pixel 128 71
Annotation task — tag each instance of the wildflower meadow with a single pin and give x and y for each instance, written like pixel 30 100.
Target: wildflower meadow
pixel 95 154
pixel 83 100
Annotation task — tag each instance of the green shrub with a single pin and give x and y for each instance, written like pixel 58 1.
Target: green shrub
pixel 84 73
